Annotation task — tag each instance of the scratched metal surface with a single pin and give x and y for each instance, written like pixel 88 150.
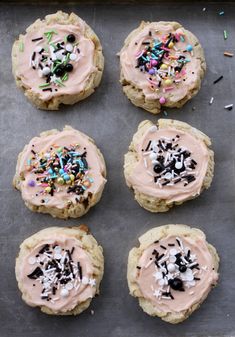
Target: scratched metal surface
pixel 117 220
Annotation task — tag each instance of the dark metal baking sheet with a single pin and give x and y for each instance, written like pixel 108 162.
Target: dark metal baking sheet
pixel 117 220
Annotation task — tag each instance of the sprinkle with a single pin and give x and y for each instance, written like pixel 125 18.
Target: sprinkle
pixel 64 78
pixel 31 183
pixel 44 85
pixel 148 264
pixel 165 113
pixel 37 39
pixel 211 100
pixel 218 79
pixel 204 9
pixel 229 107
pixel 49 35
pixel 225 35
pixel 59 82
pixel 229 54
pixel 162 100
pixel 221 13
pixel 21 46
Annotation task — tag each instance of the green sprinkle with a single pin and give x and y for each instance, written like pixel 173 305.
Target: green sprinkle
pixel 52 31
pixel 221 13
pixel 44 85
pixel 165 113
pixel 64 78
pixel 21 46
pixel 56 66
pixel 60 83
pixel 66 59
pixel 225 34
pixel 53 45
pixel 49 35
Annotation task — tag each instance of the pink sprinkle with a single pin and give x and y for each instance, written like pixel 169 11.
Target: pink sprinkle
pixel 44 185
pixel 177 36
pixel 152 82
pixel 177 75
pixel 164 48
pixel 139 54
pixel 162 100
pixel 153 63
pixel 169 88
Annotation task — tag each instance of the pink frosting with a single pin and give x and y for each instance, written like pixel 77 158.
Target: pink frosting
pixel 128 59
pixel 142 176
pixel 33 195
pixel 148 281
pixel 79 293
pixel 83 66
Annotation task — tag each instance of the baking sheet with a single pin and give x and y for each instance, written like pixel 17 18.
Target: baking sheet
pixel 118 220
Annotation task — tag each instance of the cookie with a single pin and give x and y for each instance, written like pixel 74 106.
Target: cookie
pixel 61 173
pixel 167 164
pixel 172 271
pixel 59 270
pixel 57 61
pixel 162 65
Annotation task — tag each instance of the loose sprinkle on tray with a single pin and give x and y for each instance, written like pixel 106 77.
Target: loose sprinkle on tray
pixel 229 107
pixel 225 34
pixel 218 79
pixel 229 54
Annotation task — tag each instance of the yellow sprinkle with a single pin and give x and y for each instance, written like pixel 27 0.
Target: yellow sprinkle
pixel 168 82
pixel 60 181
pixel 48 189
pixel 164 66
pixel 72 177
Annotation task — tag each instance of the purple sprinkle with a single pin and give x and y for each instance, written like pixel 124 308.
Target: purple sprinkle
pixel 31 183
pixel 151 71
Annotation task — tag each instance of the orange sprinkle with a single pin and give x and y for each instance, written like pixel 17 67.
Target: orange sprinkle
pixel 227 53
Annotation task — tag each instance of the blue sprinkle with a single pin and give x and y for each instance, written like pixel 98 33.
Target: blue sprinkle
pixel 189 47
